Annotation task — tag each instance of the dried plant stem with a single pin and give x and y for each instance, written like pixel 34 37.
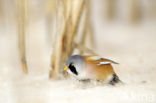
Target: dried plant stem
pixel 75 28
pixel 153 9
pixel 57 57
pixel 135 11
pixel 57 52
pixel 64 44
pixel 110 9
pixel 65 41
pixel 87 29
pixel 22 32
pixel 1 11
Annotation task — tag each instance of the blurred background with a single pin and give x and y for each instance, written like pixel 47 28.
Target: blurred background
pixel 30 33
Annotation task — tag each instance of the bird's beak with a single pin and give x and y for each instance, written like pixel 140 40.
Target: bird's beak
pixel 66 68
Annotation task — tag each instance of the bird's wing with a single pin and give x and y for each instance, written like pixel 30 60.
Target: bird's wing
pixel 100 61
pixel 103 61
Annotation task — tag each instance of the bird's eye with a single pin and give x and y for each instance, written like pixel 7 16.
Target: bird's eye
pixel 73 69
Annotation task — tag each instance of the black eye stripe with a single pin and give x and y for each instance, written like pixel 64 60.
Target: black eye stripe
pixel 73 69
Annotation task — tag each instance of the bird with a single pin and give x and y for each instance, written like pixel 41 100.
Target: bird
pixel 87 68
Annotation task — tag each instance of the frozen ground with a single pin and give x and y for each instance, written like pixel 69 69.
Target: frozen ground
pixel 133 46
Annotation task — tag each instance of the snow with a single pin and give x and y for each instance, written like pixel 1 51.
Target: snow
pixel 132 46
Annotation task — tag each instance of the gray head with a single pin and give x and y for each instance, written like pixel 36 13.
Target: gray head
pixel 75 64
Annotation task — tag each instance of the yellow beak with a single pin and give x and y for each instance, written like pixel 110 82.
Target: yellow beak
pixel 66 68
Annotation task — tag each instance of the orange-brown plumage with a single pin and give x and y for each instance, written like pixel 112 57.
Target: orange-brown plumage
pixel 96 71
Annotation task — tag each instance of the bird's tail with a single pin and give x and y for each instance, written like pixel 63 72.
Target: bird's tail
pixel 115 80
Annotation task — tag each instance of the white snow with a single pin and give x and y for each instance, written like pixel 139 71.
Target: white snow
pixel 132 46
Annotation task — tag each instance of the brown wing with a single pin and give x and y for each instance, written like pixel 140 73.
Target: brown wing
pixel 99 68
pixel 98 60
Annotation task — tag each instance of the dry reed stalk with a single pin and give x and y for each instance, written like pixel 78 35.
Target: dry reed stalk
pixel 135 11
pixel 110 9
pixel 50 8
pixel 1 11
pixel 87 29
pixel 63 47
pixel 74 28
pixel 22 32
pixel 153 9
pixel 65 44
pixel 57 52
